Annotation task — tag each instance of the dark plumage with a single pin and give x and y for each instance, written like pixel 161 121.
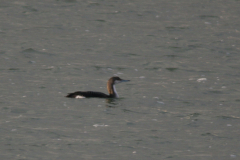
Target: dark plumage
pixel 87 94
pixel 110 86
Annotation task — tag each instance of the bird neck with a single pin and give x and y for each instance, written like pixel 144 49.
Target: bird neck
pixel 112 90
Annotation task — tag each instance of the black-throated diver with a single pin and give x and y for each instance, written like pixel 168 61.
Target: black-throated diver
pixel 90 94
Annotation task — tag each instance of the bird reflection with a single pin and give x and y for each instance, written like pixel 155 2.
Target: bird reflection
pixel 112 102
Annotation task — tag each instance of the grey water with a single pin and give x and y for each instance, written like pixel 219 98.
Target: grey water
pixel 182 57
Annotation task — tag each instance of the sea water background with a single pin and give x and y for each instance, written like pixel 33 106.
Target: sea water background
pixel 182 58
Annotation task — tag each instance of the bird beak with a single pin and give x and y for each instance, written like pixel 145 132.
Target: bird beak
pixel 125 80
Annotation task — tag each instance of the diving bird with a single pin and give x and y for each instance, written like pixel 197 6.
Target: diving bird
pixel 91 94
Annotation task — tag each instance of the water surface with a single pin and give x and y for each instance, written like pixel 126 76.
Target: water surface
pixel 182 102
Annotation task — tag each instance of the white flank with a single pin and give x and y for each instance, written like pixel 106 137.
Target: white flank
pixel 80 97
pixel 100 125
pixel 115 91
